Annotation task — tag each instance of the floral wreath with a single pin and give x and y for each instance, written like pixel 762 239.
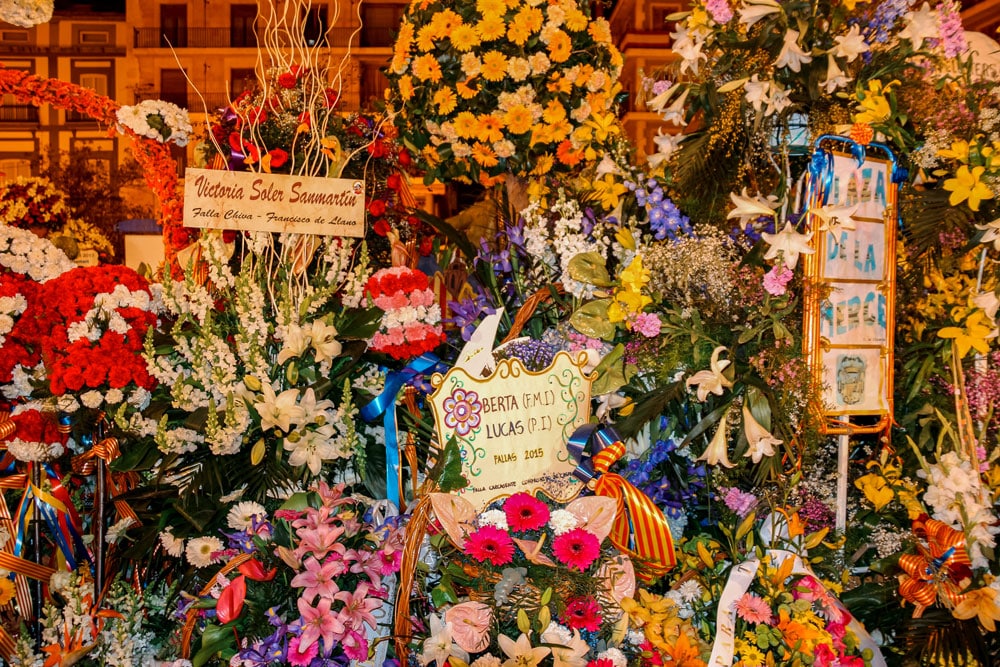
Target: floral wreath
pixel 153 156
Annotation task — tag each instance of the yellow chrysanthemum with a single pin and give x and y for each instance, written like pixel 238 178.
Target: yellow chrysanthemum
pixel 490 129
pixel 406 87
pixel 560 47
pixel 531 18
pixel 484 155
pixel 491 27
pixel 426 68
pixel 583 74
pixel 554 112
pixel 466 125
pixel 444 22
pixel 518 119
pixel 430 155
pixel 543 165
pixel 464 38
pixel 496 7
pixel 518 34
pixel 559 84
pixel 465 91
pixel 425 38
pixel 576 20
pixel 494 66
pixel 446 100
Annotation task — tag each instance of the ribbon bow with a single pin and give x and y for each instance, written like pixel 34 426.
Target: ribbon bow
pixel 385 405
pixel 640 529
pixel 938 569
pixel 108 450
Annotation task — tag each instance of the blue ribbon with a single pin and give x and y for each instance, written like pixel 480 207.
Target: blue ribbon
pixel 385 405
pixel 821 172
pixel 59 523
pixel 598 436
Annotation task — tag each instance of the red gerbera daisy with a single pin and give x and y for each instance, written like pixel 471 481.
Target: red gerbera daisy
pixel 525 512
pixel 576 548
pixel 583 613
pixel 490 544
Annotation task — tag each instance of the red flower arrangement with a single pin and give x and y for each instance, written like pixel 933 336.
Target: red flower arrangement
pixel 37 436
pixel 411 323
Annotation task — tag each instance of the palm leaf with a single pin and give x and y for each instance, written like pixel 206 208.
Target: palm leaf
pixel 937 638
pixel 926 214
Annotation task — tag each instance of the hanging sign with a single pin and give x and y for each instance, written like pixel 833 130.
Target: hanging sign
pixel 244 200
pixel 512 426
pixel 849 308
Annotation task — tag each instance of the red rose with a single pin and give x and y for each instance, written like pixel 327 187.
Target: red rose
pixel 394 182
pixel 332 97
pixel 381 227
pixel 404 157
pixel 287 80
pixel 376 207
pixel 278 157
pixel 305 118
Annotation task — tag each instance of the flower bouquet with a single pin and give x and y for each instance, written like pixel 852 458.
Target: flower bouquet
pixel 304 585
pixel 33 203
pixel 524 581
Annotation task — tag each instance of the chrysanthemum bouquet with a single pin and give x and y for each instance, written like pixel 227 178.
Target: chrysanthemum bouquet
pixel 305 583
pixel 489 87
pixel 525 580
pixel 33 203
pixel 156 119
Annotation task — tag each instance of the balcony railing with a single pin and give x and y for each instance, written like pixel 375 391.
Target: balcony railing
pixel 18 113
pixel 156 38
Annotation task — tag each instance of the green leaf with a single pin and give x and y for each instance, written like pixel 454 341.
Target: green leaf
pixel 610 372
pixel 358 323
pixel 214 639
pixel 448 469
pixel 591 319
pixel 588 267
pixel 443 593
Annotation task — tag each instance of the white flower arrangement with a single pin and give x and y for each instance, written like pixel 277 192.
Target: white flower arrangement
pixel 26 13
pixel 23 252
pixel 156 119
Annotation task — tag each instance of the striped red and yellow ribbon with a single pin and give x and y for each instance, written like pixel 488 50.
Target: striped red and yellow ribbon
pixel 934 573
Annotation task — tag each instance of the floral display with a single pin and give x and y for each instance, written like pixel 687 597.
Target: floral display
pixel 33 203
pixel 482 89
pixel 156 119
pixel 332 562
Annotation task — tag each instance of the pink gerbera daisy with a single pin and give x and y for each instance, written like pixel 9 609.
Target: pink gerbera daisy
pixel 577 548
pixel 490 544
pixel 525 512
pixel 753 609
pixel 583 613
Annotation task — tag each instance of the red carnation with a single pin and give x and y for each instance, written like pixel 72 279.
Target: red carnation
pixel 376 207
pixel 278 157
pixel 382 227
pixel 287 80
pixel 404 157
pixel 394 181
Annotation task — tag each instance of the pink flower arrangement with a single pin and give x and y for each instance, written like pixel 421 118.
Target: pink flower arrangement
pixel 577 549
pixel 411 323
pixel 490 544
pixel 525 512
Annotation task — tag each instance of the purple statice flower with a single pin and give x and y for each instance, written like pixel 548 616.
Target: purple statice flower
pixel 950 27
pixel 536 355
pixel 816 515
pixel 738 501
pixel 720 10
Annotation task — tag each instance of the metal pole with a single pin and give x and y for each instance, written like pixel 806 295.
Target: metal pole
pixel 100 493
pixel 843 459
pixel 36 547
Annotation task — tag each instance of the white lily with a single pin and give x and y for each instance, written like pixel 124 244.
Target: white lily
pixel 711 381
pixel 717 452
pixel 666 146
pixel 789 244
pixel 779 100
pixel 760 441
pixel 992 235
pixel 566 651
pixel 835 77
pixel 688 47
pixel 295 342
pixel 521 653
pixel 439 646
pixel 310 448
pixel 674 114
pixel 851 45
pixel 920 24
pixel 277 410
pixel 752 12
pixel 757 92
pixel 750 208
pixel 835 218
pixel 324 341
pixel 657 103
pixel 792 56
pixel 312 409
pixel 988 303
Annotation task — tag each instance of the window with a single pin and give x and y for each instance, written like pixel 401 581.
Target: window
pixel 14 36
pixel 173 87
pixel 241 79
pixel 11 168
pixel 93 37
pixel 173 25
pixel 373 85
pixel 241 25
pixel 658 18
pixel 97 81
pixel 316 25
pixel 380 23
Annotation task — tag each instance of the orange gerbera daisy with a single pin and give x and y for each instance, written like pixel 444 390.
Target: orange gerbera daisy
pixel 426 68
pixel 406 87
pixel 518 33
pixel 464 37
pixel 576 20
pixel 518 119
pixel 485 7
pixel 494 66
pixel 465 91
pixel 490 129
pixel 426 37
pixel 560 47
pixel 554 112
pixel 484 155
pixel 446 100
pixel 531 18
pixel 491 27
pixel 466 125
pixel 568 155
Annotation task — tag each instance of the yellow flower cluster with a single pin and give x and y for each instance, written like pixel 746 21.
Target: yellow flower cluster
pixel 976 160
pixel 628 299
pixel 657 617
pixel 485 87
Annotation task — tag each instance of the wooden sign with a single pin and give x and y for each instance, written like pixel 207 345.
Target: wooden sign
pixel 512 426
pixel 218 199
pixel 849 309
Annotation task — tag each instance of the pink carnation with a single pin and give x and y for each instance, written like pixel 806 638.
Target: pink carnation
pixel 776 280
pixel 646 324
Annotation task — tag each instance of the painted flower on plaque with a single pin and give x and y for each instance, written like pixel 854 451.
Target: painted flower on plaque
pixel 461 411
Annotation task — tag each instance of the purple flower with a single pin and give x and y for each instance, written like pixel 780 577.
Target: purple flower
pixel 952 32
pixel 739 502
